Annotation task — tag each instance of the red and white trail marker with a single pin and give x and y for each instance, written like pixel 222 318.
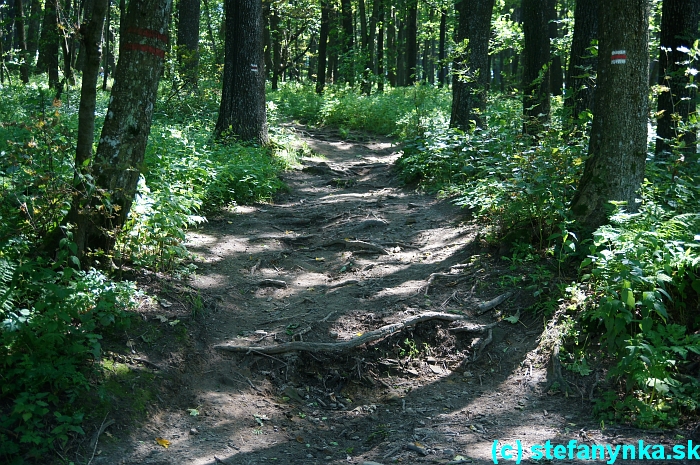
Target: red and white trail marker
pixel 254 68
pixel 619 57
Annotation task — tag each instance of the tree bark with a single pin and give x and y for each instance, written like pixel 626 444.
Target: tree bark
pixel 677 101
pixel 242 110
pixel 580 76
pixel 536 72
pixel 442 69
pixel 391 47
pixel 92 40
pixel 411 42
pixel 323 47
pixel 380 45
pixel 48 44
pixel 276 39
pixel 347 66
pixel 22 41
pixel 614 170
pixel 122 145
pixel 556 76
pixel 471 81
pixel 188 13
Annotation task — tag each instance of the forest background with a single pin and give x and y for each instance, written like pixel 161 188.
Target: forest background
pixel 567 127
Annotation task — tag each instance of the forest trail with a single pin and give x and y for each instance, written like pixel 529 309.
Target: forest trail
pixel 346 250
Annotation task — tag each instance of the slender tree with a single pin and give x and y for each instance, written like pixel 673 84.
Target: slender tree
pixel 556 76
pixel 48 44
pixel 536 72
pixel 323 46
pixel 471 65
pixel 380 44
pixel 617 150
pixel 347 64
pixel 242 110
pixel 442 69
pixel 679 30
pixel 122 145
pixel 22 41
pixel 411 42
pixel 580 76
pixel 188 13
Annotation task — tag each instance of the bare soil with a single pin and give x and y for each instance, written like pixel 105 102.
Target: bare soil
pixel 345 250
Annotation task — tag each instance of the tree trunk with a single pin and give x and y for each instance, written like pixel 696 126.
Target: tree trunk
pixel 614 170
pixel 323 47
pixel 679 30
pixel 22 41
pixel 391 47
pixel 471 80
pixel 210 32
pixel 556 83
pixel 91 34
pixel 188 13
pixel 242 110
pixel 122 144
pixel 276 39
pixel 442 69
pixel 380 45
pixel 48 46
pixel 33 29
pixel 347 67
pixel 536 100
pixel 580 77
pixel 411 42
pixel 67 47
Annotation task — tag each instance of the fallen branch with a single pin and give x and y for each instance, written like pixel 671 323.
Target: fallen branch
pixel 493 303
pixel 344 345
pixel 473 328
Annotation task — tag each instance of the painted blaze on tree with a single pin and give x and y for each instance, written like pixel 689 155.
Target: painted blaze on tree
pixel 242 110
pixel 617 150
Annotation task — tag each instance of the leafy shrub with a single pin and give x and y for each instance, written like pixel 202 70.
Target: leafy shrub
pixel 50 324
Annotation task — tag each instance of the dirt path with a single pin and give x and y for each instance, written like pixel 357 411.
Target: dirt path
pixel 347 250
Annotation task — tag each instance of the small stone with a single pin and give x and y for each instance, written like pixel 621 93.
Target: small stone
pixel 309 456
pixel 194 431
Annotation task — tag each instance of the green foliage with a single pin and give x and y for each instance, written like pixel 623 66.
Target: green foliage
pixel 50 327
pixel 399 111
pixel 515 183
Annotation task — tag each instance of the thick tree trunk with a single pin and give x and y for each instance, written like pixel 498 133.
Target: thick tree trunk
pixel 580 76
pixel 472 78
pixel 411 42
pixel 22 41
pixel 536 100
pixel 617 150
pixel 242 110
pixel 323 47
pixel 188 13
pixel 679 30
pixel 48 46
pixel 122 145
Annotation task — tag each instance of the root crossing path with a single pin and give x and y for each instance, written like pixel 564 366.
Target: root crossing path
pixel 347 252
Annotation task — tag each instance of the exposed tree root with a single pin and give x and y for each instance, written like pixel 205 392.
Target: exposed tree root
pixel 493 303
pixel 556 378
pixel 358 246
pixel 370 336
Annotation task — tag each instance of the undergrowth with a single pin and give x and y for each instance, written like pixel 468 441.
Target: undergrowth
pixel 53 311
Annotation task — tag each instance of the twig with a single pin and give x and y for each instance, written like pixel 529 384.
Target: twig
pixel 269 356
pixel 328 316
pixel 96 438
pixel 252 385
pixel 345 345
